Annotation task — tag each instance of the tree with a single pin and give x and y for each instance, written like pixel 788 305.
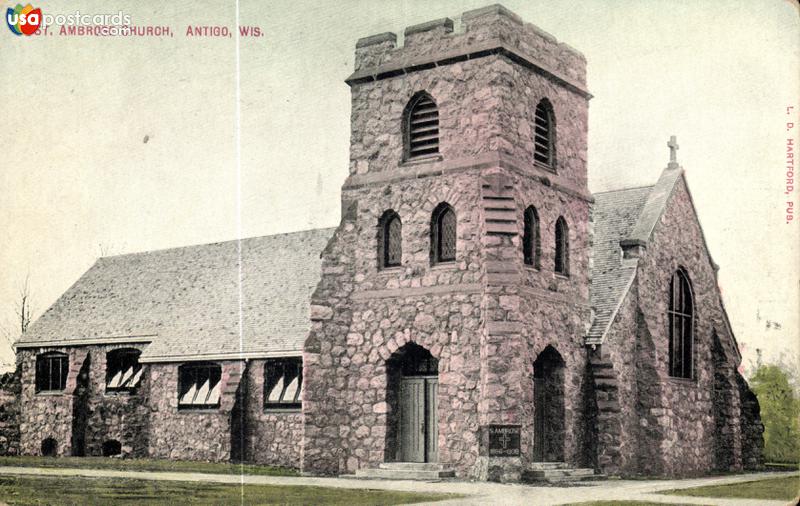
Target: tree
pixel 23 307
pixel 780 407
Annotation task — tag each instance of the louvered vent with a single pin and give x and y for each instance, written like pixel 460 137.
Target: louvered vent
pixel 543 136
pixel 423 128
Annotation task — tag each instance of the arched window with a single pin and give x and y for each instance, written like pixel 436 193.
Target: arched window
pixel 51 371
pixel 421 126
pixel 544 134
pixel 390 240
pixel 531 243
pixel 562 247
pixel 443 234
pixel 123 370
pixel 680 316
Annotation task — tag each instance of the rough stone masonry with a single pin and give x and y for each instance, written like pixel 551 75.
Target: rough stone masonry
pixel 475 287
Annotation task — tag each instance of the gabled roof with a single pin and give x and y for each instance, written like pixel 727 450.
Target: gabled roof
pixel 615 215
pixel 628 217
pixel 186 302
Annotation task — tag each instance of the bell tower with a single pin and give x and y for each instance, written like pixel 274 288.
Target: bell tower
pixel 464 239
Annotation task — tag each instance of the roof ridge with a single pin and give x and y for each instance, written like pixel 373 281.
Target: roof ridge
pixel 625 189
pixel 228 241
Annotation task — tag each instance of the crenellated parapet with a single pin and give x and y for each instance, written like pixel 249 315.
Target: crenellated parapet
pixel 489 30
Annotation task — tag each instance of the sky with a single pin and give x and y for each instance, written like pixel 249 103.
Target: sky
pixel 119 145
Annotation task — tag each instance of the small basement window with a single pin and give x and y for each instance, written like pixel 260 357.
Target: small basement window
pixel 51 372
pixel 199 386
pixel 283 383
pixel 123 370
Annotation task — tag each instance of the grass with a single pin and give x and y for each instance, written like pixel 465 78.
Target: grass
pixel 118 464
pixel 25 491
pixel 784 488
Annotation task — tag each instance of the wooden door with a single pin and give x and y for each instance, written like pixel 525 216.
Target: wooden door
pixel 412 420
pixel 431 421
pixel 539 419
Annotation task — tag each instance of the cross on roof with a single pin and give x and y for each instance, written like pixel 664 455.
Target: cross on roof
pixel 673 150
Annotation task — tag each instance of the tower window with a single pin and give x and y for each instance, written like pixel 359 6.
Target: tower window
pixel 199 385
pixel 562 247
pixel 283 382
pixel 51 372
pixel 680 315
pixel 544 134
pixel 390 241
pixel 443 234
pixel 421 127
pixel 531 243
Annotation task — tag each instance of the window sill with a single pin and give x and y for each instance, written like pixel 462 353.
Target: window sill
pixel 544 166
pixel 532 267
pixel 283 411
pixel 682 381
pixel 50 393
pixel 450 265
pixel 558 275
pixel 422 160
pixel 119 393
pixel 395 269
pixel 199 409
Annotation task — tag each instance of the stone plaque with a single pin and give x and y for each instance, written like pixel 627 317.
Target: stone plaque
pixel 504 440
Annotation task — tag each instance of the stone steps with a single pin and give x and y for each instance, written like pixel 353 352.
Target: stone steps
pixel 406 471
pixel 558 472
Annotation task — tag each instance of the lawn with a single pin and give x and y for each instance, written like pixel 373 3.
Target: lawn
pixel 26 490
pixel 146 465
pixel 784 488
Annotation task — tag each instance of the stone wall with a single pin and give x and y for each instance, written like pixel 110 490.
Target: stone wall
pixel 686 427
pixel 48 414
pixel 10 390
pixel 362 315
pixel 270 437
pixel 83 416
pixel 191 434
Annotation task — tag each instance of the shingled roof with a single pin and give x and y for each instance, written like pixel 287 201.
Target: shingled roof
pixel 615 215
pixel 186 302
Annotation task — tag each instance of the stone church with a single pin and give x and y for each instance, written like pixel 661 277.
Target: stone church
pixel 476 311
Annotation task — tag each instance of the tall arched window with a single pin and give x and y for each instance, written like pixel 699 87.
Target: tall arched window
pixel 562 247
pixel 544 134
pixel 680 316
pixel 421 127
pixel 390 240
pixel 443 234
pixel 531 244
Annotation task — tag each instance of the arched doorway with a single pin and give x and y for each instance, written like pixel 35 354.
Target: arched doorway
pixel 548 407
pixel 413 387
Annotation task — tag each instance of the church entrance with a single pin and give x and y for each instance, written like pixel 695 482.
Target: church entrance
pixel 548 407
pixel 414 376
